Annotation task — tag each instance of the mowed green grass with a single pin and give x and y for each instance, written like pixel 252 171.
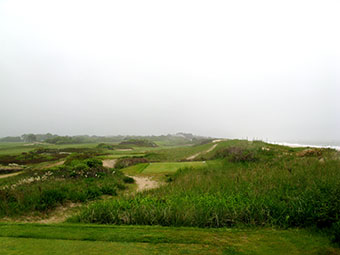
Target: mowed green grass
pixel 161 167
pixel 17 148
pixel 95 239
pixel 20 147
pixel 14 148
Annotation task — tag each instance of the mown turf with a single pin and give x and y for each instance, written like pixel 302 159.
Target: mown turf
pixel 79 239
pixel 13 246
pixel 161 167
pixel 17 148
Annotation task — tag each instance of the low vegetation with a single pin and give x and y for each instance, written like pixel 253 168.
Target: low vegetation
pixel 259 186
pixel 31 157
pixel 216 188
pixel 42 154
pixel 79 180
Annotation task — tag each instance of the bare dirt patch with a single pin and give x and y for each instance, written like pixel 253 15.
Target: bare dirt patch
pixel 211 148
pixel 110 163
pixel 145 183
pixel 193 156
pixel 217 141
pixel 59 163
pixel 60 214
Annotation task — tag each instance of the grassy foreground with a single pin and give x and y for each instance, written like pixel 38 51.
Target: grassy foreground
pixel 271 196
pixel 79 239
pixel 253 184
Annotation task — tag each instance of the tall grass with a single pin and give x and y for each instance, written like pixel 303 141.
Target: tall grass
pixel 279 190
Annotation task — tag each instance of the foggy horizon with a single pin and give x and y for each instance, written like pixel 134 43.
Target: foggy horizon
pixel 265 70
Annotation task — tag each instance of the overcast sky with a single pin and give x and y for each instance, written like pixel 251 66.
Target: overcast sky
pixel 264 69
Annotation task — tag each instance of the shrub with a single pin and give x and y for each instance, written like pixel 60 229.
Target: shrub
pixel 139 142
pixel 106 146
pixel 128 179
pixel 83 168
pixel 236 154
pixel 76 157
pixel 108 190
pixel 93 192
pixel 50 198
pixel 336 232
pixel 126 162
pixel 94 163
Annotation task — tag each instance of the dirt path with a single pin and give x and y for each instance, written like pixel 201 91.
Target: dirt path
pixel 204 152
pixel 193 156
pixel 211 148
pixel 145 183
pixel 9 175
pixel 109 163
pixel 59 163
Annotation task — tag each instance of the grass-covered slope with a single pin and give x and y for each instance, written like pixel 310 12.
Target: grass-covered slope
pixel 251 184
pixel 177 154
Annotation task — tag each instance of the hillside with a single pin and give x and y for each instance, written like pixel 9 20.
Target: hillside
pixel 218 197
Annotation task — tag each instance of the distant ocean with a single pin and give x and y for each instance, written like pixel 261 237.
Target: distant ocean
pixel 333 145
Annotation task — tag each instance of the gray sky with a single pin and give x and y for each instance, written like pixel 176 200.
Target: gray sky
pixel 265 69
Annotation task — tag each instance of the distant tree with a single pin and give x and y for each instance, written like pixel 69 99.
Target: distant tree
pixel 29 138
pixel 11 139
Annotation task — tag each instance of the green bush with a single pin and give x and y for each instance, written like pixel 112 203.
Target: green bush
pixel 336 232
pixel 237 154
pixel 139 142
pixel 50 198
pixel 82 168
pixel 108 190
pixel 127 179
pixel 94 163
pixel 93 192
pixel 77 157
